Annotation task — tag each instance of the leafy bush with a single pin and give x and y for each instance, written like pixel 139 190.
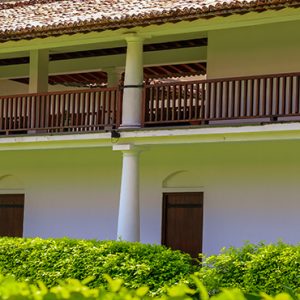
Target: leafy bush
pixel 74 290
pixel 270 268
pixel 53 260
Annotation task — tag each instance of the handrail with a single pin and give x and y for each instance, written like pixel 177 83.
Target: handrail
pixel 62 92
pixel 203 101
pixel 224 79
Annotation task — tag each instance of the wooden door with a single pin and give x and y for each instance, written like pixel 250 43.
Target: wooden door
pixel 11 215
pixel 182 223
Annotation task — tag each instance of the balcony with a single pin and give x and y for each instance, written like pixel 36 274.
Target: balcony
pixel 267 98
pixel 263 99
pixel 71 111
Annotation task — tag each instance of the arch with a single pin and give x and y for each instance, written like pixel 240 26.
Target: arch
pixel 10 182
pixel 182 179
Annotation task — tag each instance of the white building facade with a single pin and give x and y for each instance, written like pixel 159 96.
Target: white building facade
pixel 193 164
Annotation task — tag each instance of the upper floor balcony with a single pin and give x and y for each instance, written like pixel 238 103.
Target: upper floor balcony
pixel 225 101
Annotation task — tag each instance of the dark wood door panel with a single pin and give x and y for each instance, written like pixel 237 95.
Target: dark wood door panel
pixel 11 215
pixel 182 222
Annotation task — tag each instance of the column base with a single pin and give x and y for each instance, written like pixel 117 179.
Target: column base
pixel 130 126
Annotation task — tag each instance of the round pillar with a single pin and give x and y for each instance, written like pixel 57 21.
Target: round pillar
pixel 113 76
pixel 133 83
pixel 129 210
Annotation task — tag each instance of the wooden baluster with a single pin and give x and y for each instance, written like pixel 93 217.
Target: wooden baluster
pixel 97 99
pixel 264 97
pixel 277 93
pixel 42 112
pixel 150 115
pixel 9 123
pixel 245 99
pixel 297 94
pixel 168 105
pixel 2 115
pixel 173 102
pixel 93 111
pixel 87 107
pixel 271 96
pixel 207 102
pixel 184 91
pixel 156 103
pixel 15 117
pixel 289 106
pixel 162 102
pixel 251 95
pixel 257 98
pixel 215 98
pixel 196 97
pixel 68 111
pixel 203 100
pixel 220 98
pixel 109 115
pixel 150 104
pixel 232 98
pixel 48 111
pixel 62 110
pixel 226 99
pixel 53 104
pixel 283 95
pixel 190 99
pixel 101 108
pixel 239 99
pixel 144 105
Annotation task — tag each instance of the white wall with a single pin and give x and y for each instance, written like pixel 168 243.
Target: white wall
pixel 10 87
pixel 251 190
pixel 255 50
pixel 67 193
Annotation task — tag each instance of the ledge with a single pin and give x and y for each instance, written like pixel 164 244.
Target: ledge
pixel 149 136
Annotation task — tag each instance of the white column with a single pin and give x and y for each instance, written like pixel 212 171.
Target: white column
pixel 129 210
pixel 38 71
pixel 113 76
pixel 134 76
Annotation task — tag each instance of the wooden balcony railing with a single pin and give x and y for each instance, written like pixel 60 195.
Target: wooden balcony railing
pixel 265 98
pixel 200 102
pixel 77 110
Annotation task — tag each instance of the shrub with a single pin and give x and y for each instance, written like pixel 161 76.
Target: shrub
pixel 52 260
pixel 270 268
pixel 74 290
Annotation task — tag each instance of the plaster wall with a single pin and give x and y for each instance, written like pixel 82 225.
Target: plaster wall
pixel 255 50
pixel 67 193
pixel 10 87
pixel 251 190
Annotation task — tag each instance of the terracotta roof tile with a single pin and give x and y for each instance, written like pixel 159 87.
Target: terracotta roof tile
pixel 40 18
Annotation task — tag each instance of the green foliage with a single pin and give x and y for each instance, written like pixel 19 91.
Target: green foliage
pixel 270 268
pixel 53 260
pixel 73 289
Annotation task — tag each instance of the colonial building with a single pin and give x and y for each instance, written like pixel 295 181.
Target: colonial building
pixel 173 122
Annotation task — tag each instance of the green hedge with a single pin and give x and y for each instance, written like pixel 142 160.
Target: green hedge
pixel 270 268
pixel 75 290
pixel 52 260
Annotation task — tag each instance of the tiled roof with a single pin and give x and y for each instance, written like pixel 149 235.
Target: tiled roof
pixel 39 18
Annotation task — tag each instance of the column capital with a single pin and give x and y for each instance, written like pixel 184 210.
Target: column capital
pixel 113 69
pixel 132 37
pixel 127 149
